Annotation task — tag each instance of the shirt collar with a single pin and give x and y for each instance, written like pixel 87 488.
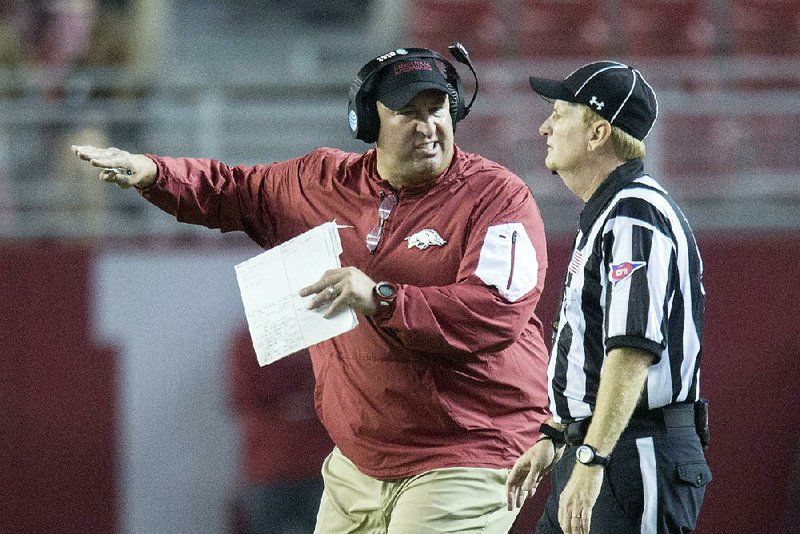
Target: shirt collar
pixel 618 179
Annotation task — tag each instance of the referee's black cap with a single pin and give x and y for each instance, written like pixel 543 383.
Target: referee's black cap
pixel 617 92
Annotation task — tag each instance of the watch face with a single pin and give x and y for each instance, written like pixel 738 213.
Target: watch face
pixel 584 454
pixel 385 290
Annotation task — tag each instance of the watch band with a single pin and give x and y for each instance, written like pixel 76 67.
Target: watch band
pixel 553 434
pixel 587 455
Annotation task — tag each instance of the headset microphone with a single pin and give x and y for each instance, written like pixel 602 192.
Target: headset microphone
pixel 458 51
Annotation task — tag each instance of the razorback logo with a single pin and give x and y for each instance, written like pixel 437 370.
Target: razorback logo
pixel 425 238
pixel 621 271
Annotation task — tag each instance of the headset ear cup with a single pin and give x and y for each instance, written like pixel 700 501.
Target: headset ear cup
pixel 455 91
pixel 363 118
pixel 353 120
pixel 370 122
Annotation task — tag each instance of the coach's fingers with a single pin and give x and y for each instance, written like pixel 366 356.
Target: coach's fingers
pixel 118 166
pixel 101 155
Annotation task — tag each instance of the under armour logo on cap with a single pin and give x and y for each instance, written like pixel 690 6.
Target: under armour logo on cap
pixel 617 92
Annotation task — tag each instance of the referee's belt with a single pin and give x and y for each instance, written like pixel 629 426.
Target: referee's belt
pixel 671 416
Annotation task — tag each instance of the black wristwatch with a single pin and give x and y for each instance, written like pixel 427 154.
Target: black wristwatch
pixel 385 293
pixel 587 455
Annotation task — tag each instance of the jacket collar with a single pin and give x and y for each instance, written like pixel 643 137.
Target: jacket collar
pixel 616 181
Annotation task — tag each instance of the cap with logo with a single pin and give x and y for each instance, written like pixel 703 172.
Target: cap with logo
pixel 403 80
pixel 617 92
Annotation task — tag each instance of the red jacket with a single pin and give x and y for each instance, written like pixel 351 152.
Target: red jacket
pixel 456 376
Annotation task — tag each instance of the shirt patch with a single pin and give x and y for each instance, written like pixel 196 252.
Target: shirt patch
pixel 425 238
pixel 622 271
pixel 508 261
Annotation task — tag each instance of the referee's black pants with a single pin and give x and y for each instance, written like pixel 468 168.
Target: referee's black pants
pixel 654 482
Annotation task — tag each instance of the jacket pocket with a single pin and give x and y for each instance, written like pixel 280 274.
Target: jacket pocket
pixel 695 474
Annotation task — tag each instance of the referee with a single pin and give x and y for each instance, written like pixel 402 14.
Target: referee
pixel 625 441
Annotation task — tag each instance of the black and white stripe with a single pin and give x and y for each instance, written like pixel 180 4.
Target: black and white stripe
pixel 658 308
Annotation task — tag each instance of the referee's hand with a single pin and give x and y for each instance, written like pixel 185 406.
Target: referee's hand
pixel 577 501
pixel 119 167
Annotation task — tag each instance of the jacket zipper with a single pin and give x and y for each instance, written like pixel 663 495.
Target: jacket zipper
pixel 380 222
pixel 513 258
pixel 382 219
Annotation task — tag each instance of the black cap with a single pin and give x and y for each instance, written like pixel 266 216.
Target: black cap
pixel 617 92
pixel 403 80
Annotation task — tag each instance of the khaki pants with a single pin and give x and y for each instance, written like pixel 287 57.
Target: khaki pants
pixel 454 500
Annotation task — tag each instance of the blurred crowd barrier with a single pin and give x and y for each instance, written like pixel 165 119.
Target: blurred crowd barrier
pixel 727 75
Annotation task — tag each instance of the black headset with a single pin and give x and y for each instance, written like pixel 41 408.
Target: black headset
pixel 362 112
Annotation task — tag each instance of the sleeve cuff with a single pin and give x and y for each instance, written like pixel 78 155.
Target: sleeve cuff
pixel 635 342
pixel 159 175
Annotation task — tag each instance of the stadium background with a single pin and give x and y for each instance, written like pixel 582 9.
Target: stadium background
pixel 114 319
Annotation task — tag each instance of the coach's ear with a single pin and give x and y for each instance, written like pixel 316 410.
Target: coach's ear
pixel 599 134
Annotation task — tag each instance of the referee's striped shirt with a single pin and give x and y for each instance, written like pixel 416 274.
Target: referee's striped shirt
pixel 634 280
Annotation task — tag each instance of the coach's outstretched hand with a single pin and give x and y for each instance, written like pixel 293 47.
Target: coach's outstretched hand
pixel 120 167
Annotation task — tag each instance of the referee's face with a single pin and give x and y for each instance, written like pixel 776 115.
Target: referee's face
pixel 567 138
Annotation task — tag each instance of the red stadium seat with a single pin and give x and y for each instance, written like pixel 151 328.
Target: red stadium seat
pixel 563 28
pixel 486 133
pixel 770 138
pixel 479 25
pixel 699 152
pixel 704 154
pixel 765 27
pixel 665 28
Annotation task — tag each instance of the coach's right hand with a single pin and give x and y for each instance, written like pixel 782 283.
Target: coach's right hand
pixel 120 167
pixel 529 470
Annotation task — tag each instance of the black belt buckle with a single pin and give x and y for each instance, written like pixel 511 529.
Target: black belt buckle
pixel 701 421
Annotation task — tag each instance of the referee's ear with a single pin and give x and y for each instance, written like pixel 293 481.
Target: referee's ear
pixel 599 134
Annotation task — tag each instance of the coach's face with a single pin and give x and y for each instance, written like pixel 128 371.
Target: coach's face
pixel 415 143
